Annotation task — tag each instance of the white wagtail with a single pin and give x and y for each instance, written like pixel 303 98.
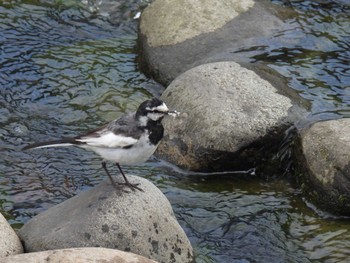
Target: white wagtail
pixel 131 139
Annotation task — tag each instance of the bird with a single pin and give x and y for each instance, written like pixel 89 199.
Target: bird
pixel 128 140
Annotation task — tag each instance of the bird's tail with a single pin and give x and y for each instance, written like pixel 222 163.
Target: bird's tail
pixel 54 143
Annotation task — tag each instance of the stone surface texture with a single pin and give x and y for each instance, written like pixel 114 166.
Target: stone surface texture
pixel 322 154
pixel 175 36
pixel 168 22
pixel 78 255
pixel 139 222
pixel 10 244
pixel 225 108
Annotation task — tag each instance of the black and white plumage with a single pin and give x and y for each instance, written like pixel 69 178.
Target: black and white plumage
pixel 131 139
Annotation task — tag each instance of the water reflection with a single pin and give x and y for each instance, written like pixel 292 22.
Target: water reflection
pixel 65 69
pixel 313 53
pixel 242 220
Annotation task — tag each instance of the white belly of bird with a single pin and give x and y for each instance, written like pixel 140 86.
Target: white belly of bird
pixel 138 153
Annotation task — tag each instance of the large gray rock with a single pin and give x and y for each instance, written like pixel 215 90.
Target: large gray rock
pixel 9 241
pixel 176 35
pixel 78 255
pixel 169 22
pixel 140 222
pixel 322 154
pixel 230 118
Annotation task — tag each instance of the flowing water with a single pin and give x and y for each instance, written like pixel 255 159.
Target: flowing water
pixel 67 67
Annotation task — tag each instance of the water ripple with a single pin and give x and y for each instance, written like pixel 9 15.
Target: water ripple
pixel 65 69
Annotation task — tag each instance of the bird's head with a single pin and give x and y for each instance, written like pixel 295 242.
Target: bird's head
pixel 153 109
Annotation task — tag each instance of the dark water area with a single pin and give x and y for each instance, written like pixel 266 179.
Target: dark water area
pixel 314 54
pixel 66 67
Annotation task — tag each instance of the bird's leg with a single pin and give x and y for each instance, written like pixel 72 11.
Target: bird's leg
pixel 127 183
pixel 104 166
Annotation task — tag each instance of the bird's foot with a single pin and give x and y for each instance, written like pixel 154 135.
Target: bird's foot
pixel 120 187
pixel 131 186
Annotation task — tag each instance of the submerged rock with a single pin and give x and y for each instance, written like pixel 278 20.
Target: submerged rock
pixel 9 241
pixel 230 118
pixel 322 154
pixel 139 222
pixel 90 254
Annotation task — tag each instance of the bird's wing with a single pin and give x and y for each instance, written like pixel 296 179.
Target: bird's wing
pixel 119 133
pixel 108 140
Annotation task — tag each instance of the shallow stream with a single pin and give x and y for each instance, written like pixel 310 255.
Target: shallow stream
pixel 65 68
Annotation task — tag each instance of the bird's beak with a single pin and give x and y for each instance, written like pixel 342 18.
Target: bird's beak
pixel 173 113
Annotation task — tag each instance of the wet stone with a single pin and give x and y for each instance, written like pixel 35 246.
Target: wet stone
pixel 322 154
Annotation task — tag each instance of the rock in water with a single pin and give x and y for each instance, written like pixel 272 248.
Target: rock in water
pixel 9 241
pixel 175 36
pixel 139 222
pixel 322 154
pixel 90 254
pixel 230 118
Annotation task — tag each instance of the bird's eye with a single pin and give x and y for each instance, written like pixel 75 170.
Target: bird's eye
pixel 157 111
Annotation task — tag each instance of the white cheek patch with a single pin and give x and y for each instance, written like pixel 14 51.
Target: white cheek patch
pixel 155 116
pixel 162 108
